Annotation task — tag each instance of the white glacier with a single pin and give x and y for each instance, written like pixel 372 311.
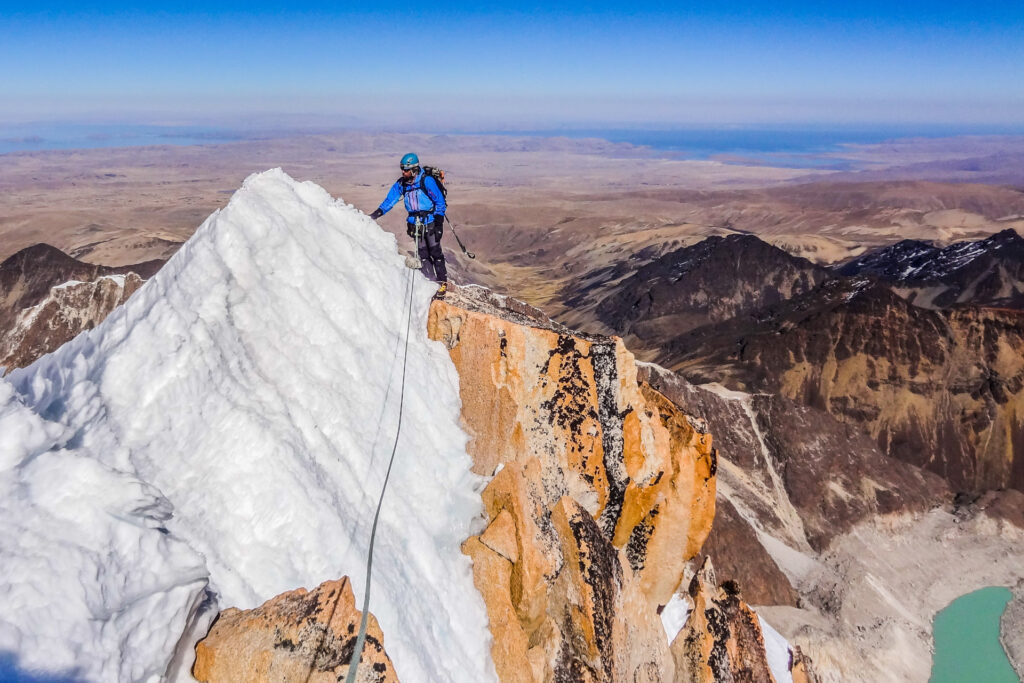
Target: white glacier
pixel 232 422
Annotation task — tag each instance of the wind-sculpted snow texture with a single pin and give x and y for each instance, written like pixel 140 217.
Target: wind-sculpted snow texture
pixel 85 565
pixel 239 411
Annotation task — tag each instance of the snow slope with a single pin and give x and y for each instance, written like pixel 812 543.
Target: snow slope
pixel 233 421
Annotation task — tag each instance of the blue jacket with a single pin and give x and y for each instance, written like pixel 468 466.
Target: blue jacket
pixel 421 194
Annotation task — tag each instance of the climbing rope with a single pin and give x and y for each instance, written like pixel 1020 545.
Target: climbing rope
pixel 361 639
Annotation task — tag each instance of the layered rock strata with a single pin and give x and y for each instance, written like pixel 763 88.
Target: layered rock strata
pixel 603 490
pixel 942 390
pixel 301 635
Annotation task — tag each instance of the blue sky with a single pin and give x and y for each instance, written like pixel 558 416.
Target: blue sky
pixel 493 65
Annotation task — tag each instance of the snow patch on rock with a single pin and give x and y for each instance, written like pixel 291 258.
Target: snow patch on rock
pixel 674 615
pixel 777 649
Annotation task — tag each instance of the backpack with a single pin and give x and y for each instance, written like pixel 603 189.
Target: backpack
pixel 437 174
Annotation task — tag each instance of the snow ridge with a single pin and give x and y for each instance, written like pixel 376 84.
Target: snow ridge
pixel 235 417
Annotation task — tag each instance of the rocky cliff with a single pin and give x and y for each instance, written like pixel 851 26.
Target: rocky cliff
pixel 301 635
pixel 603 492
pixel 939 389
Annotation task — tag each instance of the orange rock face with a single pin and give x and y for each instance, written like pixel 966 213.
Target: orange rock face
pixel 297 636
pixel 722 639
pixel 603 492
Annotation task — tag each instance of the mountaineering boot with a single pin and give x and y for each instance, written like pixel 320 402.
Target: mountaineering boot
pixel 441 290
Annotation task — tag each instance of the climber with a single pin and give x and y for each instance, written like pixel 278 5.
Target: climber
pixel 424 200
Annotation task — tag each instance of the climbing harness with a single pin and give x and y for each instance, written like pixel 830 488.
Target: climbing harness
pixel 353 665
pixel 452 226
pixel 414 261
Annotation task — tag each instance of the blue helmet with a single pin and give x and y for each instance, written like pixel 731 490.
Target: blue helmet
pixel 409 161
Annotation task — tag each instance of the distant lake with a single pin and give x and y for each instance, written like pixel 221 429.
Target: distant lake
pixel 789 146
pixel 38 137
pixel 967 644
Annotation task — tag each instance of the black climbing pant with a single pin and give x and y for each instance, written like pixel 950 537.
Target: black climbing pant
pixel 429 248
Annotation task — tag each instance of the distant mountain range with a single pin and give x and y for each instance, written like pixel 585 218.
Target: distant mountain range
pixel 988 272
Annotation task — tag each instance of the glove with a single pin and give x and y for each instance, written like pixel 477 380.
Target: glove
pixel 439 224
pixel 410 229
pixel 376 214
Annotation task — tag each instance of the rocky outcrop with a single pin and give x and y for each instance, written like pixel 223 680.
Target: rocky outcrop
pixel 722 639
pixel 48 298
pixel 602 492
pixel 301 636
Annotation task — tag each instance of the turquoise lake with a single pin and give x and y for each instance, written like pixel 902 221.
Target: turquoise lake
pixel 967 640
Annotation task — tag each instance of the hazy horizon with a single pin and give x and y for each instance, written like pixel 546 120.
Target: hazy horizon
pixel 490 65
pixel 788 144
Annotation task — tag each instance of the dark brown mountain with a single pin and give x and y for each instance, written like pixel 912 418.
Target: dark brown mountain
pixel 988 272
pixel 48 297
pixel 712 281
pixel 940 389
pixel 27 276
